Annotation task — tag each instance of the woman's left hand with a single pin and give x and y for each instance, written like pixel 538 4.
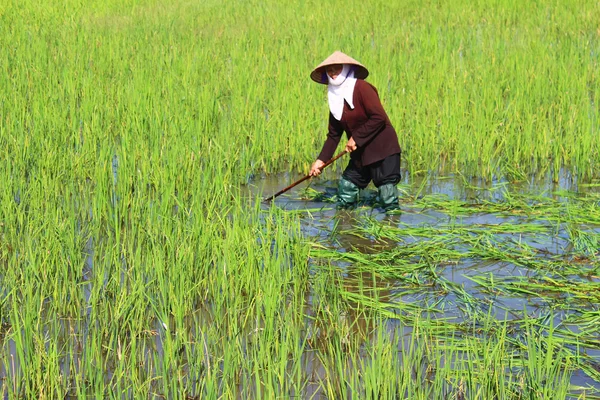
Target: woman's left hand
pixel 351 145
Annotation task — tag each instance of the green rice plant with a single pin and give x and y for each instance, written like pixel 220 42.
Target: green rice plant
pixel 134 264
pixel 546 373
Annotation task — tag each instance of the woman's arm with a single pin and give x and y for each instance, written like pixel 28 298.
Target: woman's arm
pixel 333 138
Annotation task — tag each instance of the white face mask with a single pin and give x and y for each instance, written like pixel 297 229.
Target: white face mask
pixel 341 77
pixel 339 90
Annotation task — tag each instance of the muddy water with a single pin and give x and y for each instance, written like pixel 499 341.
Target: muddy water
pixel 320 221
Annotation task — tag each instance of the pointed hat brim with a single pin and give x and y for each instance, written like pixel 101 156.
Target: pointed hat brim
pixel 320 76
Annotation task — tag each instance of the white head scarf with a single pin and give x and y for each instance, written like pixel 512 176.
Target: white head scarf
pixel 339 89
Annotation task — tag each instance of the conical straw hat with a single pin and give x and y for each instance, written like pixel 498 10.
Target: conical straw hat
pixel 319 75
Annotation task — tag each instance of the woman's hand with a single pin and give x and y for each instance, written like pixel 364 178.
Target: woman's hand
pixel 315 170
pixel 351 145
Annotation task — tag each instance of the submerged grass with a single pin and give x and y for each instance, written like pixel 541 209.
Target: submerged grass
pixel 532 254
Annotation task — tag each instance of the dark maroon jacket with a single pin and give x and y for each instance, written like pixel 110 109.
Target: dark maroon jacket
pixel 367 123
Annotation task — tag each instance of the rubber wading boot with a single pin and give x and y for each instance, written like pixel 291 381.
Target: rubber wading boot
pixel 347 194
pixel 388 197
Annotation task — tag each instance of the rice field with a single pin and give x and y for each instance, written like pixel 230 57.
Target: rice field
pixel 137 259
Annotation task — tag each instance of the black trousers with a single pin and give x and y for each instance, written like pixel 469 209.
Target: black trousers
pixel 381 172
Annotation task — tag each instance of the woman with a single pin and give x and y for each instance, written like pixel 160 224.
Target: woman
pixel 355 108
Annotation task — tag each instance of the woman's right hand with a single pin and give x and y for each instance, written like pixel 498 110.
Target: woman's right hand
pixel 315 170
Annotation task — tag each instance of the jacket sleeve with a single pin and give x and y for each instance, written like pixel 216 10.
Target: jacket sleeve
pixel 333 138
pixel 375 113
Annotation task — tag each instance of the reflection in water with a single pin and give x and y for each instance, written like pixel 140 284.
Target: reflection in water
pixel 338 229
pixel 336 309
